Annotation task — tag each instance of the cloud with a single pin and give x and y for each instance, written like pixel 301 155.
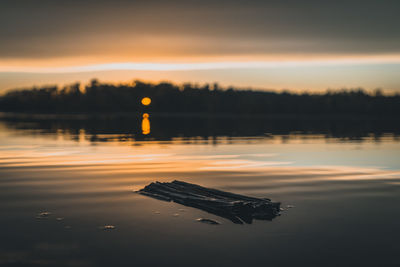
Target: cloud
pixel 46 29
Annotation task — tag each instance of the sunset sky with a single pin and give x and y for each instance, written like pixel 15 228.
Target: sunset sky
pixel 287 44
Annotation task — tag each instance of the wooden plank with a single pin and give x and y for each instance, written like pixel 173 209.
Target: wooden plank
pixel 237 208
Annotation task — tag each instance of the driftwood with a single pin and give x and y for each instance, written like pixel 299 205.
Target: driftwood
pixel 237 208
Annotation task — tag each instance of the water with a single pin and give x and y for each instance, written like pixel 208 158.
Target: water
pixel 343 179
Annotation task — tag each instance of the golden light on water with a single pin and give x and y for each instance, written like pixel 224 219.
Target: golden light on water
pixel 145 102
pixel 145 122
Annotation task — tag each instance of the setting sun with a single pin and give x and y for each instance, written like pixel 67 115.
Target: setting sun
pixel 146 101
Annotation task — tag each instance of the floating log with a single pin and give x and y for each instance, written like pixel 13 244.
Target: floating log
pixel 237 208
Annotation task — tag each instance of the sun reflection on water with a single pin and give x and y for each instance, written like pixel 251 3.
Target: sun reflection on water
pixel 146 124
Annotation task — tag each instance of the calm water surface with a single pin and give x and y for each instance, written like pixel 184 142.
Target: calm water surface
pixel 345 192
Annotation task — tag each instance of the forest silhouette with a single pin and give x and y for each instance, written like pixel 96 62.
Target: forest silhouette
pixel 195 99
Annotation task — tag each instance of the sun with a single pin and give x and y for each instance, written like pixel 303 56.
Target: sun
pixel 146 101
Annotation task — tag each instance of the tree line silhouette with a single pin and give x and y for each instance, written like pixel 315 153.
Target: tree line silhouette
pixel 188 98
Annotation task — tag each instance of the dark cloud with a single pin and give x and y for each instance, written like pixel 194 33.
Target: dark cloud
pixel 50 28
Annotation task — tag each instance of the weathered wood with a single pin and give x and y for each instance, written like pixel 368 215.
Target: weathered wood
pixel 235 207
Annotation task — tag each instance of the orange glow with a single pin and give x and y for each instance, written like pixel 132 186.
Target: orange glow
pixel 91 63
pixel 233 70
pixel 145 123
pixel 145 102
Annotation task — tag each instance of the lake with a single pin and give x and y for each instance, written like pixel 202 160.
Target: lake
pixel 64 178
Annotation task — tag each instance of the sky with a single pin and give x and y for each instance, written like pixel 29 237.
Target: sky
pixel 284 44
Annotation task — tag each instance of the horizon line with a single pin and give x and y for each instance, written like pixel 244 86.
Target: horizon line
pixel 184 66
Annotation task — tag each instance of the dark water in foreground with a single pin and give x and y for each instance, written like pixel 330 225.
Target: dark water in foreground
pixel 342 178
